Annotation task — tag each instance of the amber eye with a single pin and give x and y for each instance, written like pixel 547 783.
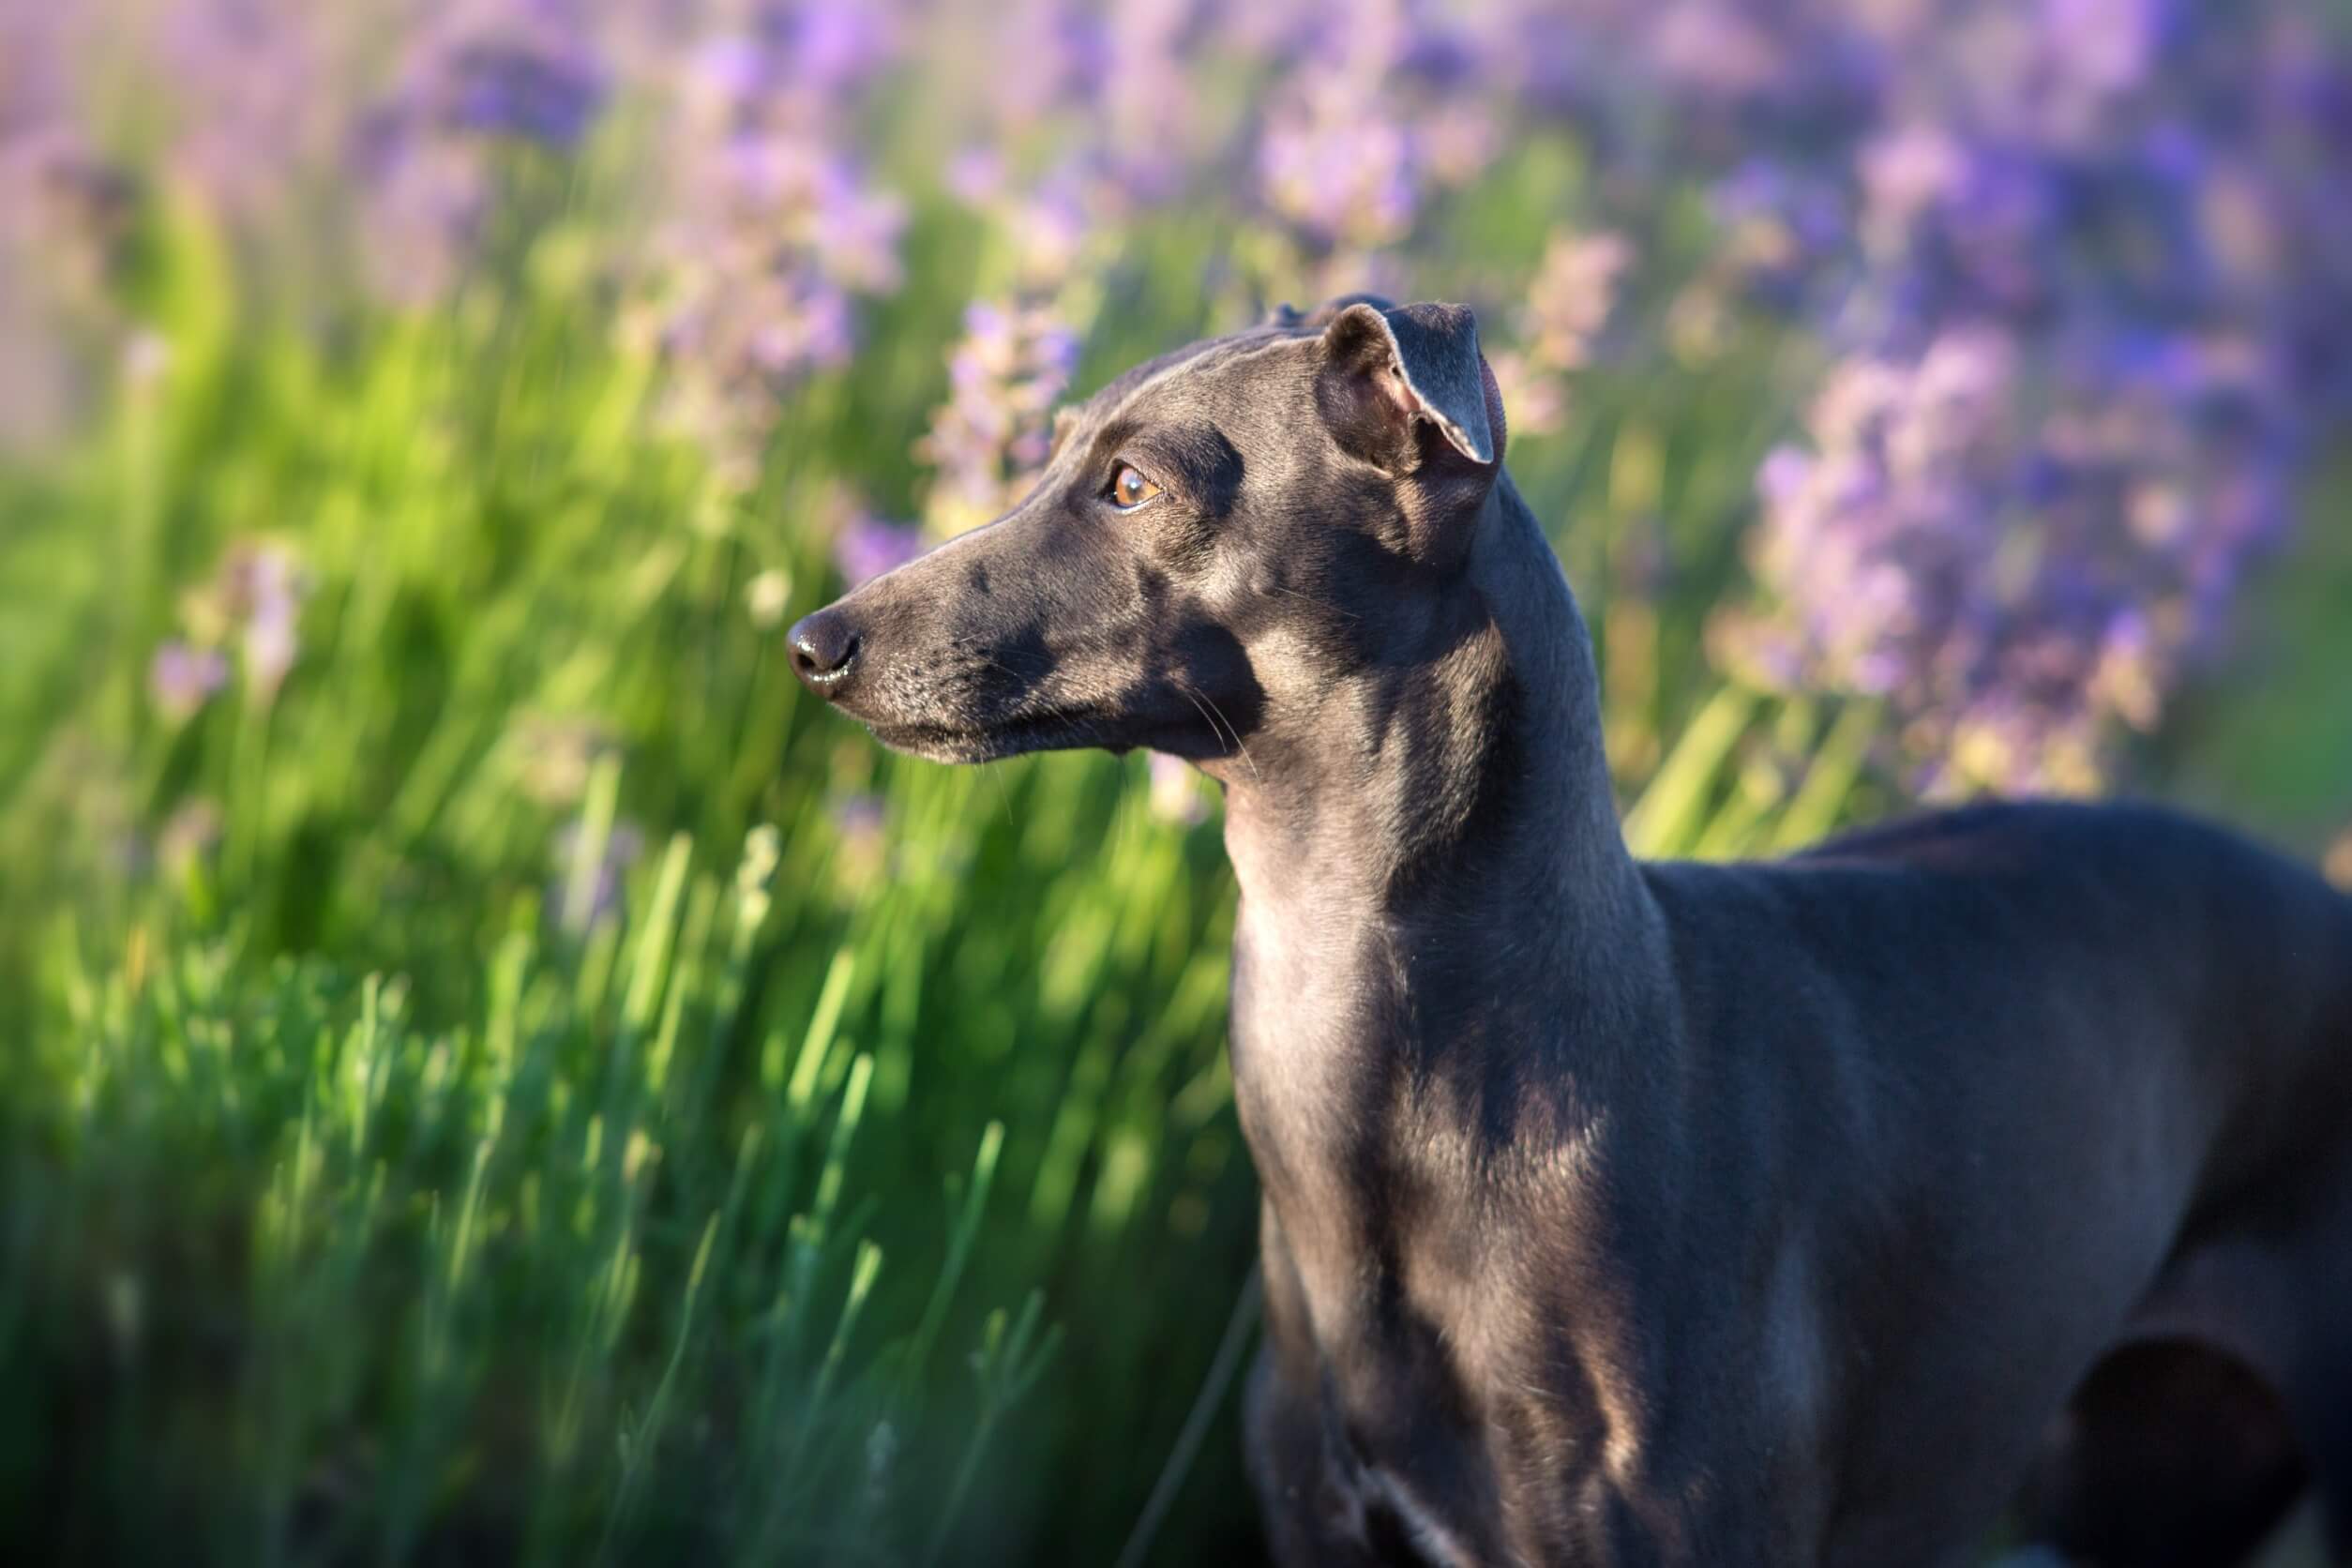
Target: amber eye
pixel 1129 488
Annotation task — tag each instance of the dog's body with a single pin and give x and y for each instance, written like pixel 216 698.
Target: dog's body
pixel 1627 1214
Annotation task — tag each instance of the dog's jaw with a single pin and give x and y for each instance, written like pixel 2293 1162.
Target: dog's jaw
pixel 958 743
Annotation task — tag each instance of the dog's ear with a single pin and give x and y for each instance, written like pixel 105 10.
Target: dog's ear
pixel 1393 377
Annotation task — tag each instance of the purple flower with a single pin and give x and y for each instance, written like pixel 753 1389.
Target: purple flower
pixel 182 678
pixel 523 68
pixel 854 230
pixel 1376 110
pixel 833 46
pixel 1712 48
pixel 1567 305
pixel 2018 554
pixel 975 176
pixel 1574 291
pixel 869 546
pixel 2078 345
pixel 509 88
pixel 1786 229
pixel 1339 168
pixel 2105 46
pixel 493 70
pixel 771 232
pixel 605 879
pixel 260 105
pixel 995 430
pixel 65 220
pixel 859 818
pixel 254 600
pixel 1048 223
pixel 69 213
pixel 860 825
pixel 1176 796
pixel 262 589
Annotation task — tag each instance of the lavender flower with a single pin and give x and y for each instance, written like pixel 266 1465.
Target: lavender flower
pixel 1176 791
pixel 860 827
pixel 1045 57
pixel 524 69
pixel 1147 106
pixel 976 176
pixel 265 593
pixel 774 231
pixel 506 87
pixel 859 817
pixel 489 72
pixel 1567 306
pixel 2076 351
pixel 1342 159
pixel 263 102
pixel 2080 269
pixel 65 217
pixel 1047 225
pixel 69 213
pixel 1013 365
pixel 869 546
pixel 1786 226
pixel 33 81
pixel 1336 164
pixel 622 848
pixel 2017 555
pixel 191 832
pixel 255 598
pixel 183 678
pixel 1718 50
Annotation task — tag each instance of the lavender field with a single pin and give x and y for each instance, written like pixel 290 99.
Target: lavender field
pixel 489 1072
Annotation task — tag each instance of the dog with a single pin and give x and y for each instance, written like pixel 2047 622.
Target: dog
pixel 1821 1211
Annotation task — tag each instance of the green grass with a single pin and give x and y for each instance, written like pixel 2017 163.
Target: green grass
pixel 375 1192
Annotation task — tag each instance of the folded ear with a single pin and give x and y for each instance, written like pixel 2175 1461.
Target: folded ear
pixel 1390 372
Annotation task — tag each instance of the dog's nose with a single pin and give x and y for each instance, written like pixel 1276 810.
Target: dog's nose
pixel 825 651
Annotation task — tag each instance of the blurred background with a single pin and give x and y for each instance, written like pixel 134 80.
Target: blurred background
pixel 492 1074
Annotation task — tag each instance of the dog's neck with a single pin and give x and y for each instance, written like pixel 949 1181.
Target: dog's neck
pixel 1434 886
pixel 1469 747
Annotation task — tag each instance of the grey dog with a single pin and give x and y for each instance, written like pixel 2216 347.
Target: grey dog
pixel 1812 1212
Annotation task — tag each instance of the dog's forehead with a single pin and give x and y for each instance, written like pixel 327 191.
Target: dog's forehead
pixel 1170 375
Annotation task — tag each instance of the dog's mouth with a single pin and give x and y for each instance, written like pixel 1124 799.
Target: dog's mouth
pixel 1055 731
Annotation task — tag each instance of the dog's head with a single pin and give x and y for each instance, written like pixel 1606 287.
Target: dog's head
pixel 1220 536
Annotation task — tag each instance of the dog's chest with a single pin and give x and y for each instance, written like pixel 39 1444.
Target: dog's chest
pixel 1437 1382
pixel 1423 1240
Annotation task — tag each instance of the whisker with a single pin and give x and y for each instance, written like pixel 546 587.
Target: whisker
pixel 1004 792
pixel 1238 744
pixel 1202 712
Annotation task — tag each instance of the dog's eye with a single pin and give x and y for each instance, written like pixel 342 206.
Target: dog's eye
pixel 1129 488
